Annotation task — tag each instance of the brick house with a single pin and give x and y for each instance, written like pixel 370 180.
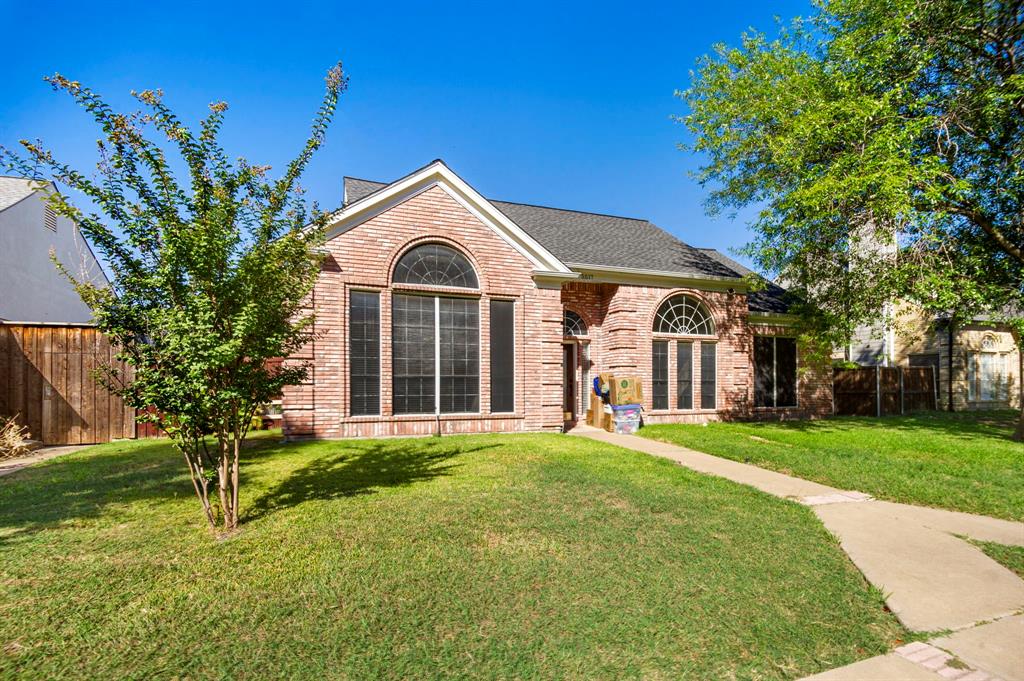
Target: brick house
pixel 438 309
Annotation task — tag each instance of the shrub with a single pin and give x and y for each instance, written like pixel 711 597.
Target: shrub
pixel 13 438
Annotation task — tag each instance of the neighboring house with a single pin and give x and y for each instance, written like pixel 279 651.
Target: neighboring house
pixel 31 288
pixel 985 361
pixel 440 310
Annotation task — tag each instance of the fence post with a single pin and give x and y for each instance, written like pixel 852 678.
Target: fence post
pixel 878 391
pixel 902 411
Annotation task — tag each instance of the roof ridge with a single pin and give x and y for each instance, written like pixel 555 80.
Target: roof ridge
pixel 522 203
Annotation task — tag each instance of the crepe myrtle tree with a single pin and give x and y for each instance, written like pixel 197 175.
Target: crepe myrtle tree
pixel 883 142
pixel 210 278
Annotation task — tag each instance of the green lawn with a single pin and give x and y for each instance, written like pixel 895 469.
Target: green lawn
pixel 963 461
pixel 539 556
pixel 1010 557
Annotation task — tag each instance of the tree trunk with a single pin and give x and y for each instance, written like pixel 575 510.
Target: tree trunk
pixel 1019 434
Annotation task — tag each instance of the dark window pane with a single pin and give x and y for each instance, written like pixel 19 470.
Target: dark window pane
pixel 412 347
pixel 684 375
pixel 659 375
pixel 435 265
pixel 503 353
pixel 764 371
pixel 573 324
pixel 707 375
pixel 460 355
pixel 364 352
pixel 785 372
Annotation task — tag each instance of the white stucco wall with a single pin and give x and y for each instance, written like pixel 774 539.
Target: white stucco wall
pixel 31 288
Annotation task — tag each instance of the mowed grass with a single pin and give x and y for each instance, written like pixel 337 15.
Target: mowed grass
pixel 1010 557
pixel 960 461
pixel 531 556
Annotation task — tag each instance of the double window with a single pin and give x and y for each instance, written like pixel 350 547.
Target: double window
pixel 435 341
pixel 774 371
pixel 684 315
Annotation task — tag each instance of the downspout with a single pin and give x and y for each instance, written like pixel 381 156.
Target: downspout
pixel 949 380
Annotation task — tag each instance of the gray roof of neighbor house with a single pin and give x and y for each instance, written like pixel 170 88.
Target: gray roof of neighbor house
pixel 578 238
pixel 772 298
pixel 14 189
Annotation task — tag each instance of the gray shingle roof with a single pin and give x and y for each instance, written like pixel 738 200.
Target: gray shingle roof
pixel 579 238
pixel 773 298
pixel 14 189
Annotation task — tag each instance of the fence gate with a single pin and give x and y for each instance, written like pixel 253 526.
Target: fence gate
pixel 883 391
pixel 46 378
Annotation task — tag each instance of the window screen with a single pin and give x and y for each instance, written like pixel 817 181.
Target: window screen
pixel 684 375
pixel 774 371
pixel 364 352
pixel 412 339
pixel 707 375
pixel 764 371
pixel 659 375
pixel 503 383
pixel 460 355
pixel 785 372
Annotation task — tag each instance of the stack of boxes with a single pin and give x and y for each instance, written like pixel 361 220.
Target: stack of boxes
pixel 617 406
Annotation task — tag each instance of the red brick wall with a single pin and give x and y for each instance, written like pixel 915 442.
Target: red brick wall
pixel 363 258
pixel 619 319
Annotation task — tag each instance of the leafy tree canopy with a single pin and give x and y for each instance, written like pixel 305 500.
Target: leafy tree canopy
pixel 882 141
pixel 210 277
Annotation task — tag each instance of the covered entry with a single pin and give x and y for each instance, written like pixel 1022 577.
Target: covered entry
pixel 575 368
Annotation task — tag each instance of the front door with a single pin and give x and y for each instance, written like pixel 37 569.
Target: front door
pixel 569 383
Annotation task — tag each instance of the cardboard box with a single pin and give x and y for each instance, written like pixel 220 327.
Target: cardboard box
pixel 626 390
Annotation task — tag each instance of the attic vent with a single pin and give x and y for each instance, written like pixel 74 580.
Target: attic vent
pixel 50 219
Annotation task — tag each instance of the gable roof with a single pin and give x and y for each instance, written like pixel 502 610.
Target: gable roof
pixel 14 189
pixel 594 240
pixel 773 298
pixel 579 238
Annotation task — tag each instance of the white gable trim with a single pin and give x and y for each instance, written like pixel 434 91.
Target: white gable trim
pixel 437 174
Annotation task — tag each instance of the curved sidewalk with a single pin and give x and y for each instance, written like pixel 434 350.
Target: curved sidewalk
pixel 932 580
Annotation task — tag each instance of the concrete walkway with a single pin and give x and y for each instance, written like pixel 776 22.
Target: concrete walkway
pixel 42 454
pixel 932 580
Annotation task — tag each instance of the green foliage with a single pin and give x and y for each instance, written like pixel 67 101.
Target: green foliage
pixel 883 141
pixel 210 277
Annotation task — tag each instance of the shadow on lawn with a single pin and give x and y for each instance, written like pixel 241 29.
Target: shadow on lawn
pixel 84 486
pixel 360 468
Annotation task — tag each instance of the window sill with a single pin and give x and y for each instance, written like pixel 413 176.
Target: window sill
pixel 432 417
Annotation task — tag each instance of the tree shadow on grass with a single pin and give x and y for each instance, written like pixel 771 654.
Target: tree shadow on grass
pixel 85 485
pixel 354 468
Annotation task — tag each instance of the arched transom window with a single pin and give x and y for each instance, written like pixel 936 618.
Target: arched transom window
pixel 435 265
pixel 684 315
pixel 573 324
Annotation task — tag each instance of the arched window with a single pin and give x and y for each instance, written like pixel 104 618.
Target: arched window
pixel 684 315
pixel 573 324
pixel 435 265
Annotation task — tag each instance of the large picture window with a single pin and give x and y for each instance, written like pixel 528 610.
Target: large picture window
pixel 774 372
pixel 364 352
pixel 413 354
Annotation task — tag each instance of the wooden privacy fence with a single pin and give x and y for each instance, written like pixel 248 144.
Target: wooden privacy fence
pixel 883 391
pixel 46 378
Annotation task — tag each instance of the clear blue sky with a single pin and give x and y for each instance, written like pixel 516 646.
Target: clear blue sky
pixel 553 103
